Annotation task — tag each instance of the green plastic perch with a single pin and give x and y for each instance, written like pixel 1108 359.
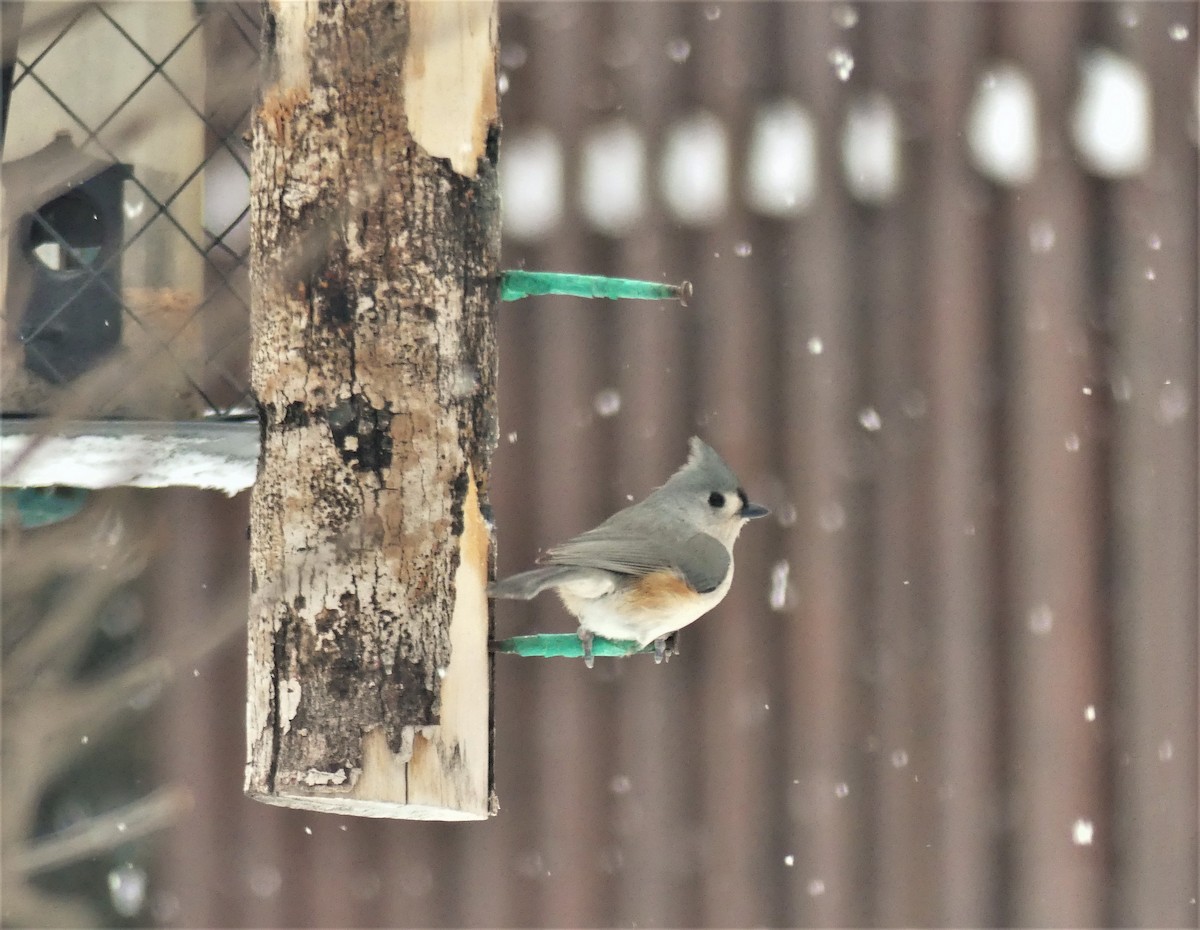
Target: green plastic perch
pixel 544 645
pixel 517 284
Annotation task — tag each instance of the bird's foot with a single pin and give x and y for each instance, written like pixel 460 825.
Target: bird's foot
pixel 665 647
pixel 585 637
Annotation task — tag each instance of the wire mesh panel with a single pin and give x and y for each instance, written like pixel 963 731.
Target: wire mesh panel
pixel 125 210
pixel 123 294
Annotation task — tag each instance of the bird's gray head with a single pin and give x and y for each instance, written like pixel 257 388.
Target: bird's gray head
pixel 708 493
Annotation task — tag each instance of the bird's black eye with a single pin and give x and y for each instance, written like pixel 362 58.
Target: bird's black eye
pixel 716 499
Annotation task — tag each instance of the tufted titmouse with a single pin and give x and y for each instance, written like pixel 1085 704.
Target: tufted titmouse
pixel 655 566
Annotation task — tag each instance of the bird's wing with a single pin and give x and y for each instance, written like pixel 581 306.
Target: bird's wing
pixel 588 582
pixel 704 562
pixel 700 559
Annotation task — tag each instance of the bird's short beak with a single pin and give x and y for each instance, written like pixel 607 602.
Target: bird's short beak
pixel 753 512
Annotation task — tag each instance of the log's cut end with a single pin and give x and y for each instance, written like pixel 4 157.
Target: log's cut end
pixel 441 772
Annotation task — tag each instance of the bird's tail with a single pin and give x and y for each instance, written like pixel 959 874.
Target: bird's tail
pixel 529 584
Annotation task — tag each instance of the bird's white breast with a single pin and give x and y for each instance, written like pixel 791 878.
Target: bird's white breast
pixel 615 613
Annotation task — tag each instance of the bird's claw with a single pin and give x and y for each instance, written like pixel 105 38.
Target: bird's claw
pixel 585 637
pixel 665 647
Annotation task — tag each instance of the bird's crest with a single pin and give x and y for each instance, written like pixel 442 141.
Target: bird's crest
pixel 704 468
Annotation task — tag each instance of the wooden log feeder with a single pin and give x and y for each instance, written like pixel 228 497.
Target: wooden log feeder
pixel 376 238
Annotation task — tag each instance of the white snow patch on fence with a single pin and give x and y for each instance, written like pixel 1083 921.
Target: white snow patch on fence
pixel 531 184
pixel 1002 129
pixel 695 169
pixel 781 164
pixel 613 177
pixel 1111 124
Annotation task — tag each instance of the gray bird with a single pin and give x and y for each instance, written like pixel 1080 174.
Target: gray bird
pixel 654 567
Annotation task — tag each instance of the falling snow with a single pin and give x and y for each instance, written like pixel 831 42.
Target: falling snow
pixel 608 402
pixel 842 61
pixel 679 50
pixel 1041 236
pixel 845 16
pixel 1041 619
pixel 127 889
pixel 779 585
pixel 831 516
pixel 1173 403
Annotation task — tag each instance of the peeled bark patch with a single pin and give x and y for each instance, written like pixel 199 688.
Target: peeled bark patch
pixel 374 270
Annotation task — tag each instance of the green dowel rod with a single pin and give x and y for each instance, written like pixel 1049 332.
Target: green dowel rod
pixel 544 645
pixel 517 284
pixel 35 507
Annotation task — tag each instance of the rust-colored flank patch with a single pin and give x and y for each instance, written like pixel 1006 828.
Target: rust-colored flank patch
pixel 659 590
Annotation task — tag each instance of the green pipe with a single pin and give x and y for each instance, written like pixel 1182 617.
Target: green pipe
pixel 517 284
pixel 544 645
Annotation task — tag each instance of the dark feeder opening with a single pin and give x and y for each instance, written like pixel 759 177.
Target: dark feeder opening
pixel 67 234
pixel 66 276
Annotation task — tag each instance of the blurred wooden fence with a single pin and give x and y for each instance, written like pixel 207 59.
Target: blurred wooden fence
pixel 955 682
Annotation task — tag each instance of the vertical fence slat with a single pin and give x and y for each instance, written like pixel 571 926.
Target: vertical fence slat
pixel 1154 297
pixel 511 839
pixel 655 844
pixel 823 743
pixel 195 725
pixel 654 832
pixel 906 768
pixel 1053 619
pixel 728 263
pixel 570 720
pixel 962 472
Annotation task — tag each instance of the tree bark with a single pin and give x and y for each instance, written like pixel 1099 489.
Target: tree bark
pixel 374 267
